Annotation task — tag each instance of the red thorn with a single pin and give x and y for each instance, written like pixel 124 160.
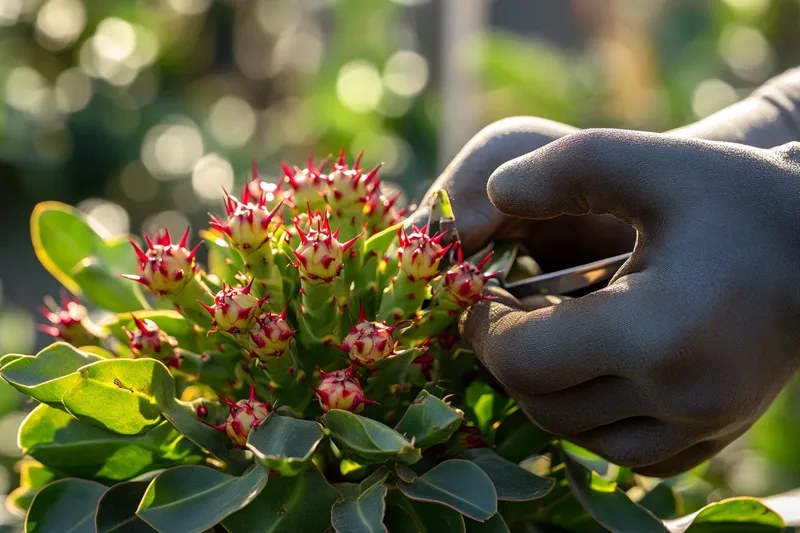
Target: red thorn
pixel 247 288
pixel 287 170
pixel 140 254
pixel 285 310
pixel 148 240
pixel 484 260
pixel 253 392
pixel 342 347
pixel 193 253
pixel 137 279
pixel 185 239
pixel 254 169
pixel 341 161
pixel 351 242
pixel 362 316
pixel 460 256
pixel 221 427
pixel 491 275
pixel 358 160
pixel 49 330
pixel 373 173
pixel 208 308
pixel 139 323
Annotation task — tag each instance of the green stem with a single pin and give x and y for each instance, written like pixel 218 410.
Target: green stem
pixel 187 301
pixel 402 299
pixel 261 265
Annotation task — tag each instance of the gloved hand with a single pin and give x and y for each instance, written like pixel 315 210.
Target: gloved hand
pixel 698 332
pixel 559 243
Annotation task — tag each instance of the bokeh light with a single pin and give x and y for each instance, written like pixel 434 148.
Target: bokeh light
pixel 232 121
pixel 406 73
pixel 59 23
pixel 171 150
pixel 211 174
pixel 359 86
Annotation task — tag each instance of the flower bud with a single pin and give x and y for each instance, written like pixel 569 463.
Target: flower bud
pixel 369 342
pixel 68 322
pixel 320 256
pixel 235 310
pixel 148 340
pixel 165 268
pixel 341 390
pixel 463 283
pixel 248 225
pixel 349 189
pixel 307 186
pixel 271 336
pixel 243 417
pixel 420 253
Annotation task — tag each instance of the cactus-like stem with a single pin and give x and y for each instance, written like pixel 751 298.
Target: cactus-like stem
pixel 403 298
pixel 262 266
pixel 189 299
pixel 319 314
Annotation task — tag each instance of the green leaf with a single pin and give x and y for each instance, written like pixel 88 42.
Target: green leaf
pixel 368 440
pixel 285 444
pixel 32 477
pixel 422 517
pixel 122 395
pixel 65 506
pixel 512 482
pixel 605 501
pixel 495 524
pixel 61 239
pixel 189 499
pixel 47 375
pixel 116 510
pixel 518 438
pixel 661 500
pixel 60 441
pixel 361 515
pixel 429 420
pixel 456 483
pixel 105 289
pixel 287 505
pixel 351 491
pixel 735 515
pixel 379 243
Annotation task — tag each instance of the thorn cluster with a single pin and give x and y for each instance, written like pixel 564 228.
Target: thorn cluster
pixel 464 281
pixel 420 253
pixel 67 322
pixel 249 225
pixel 341 390
pixel 271 335
pixel 368 341
pixel 165 268
pixel 243 417
pixel 235 310
pixel 148 340
pixel 320 255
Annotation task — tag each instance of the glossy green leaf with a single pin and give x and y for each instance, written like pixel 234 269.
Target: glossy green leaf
pixel 661 500
pixel 33 475
pixel 116 510
pixel 287 505
pixel 79 449
pixel 61 239
pixel 735 515
pixel 352 491
pixel 495 524
pixel 105 289
pixel 606 502
pixel 47 375
pixel 456 483
pixel 65 506
pixel 121 395
pixel 368 440
pixel 191 499
pixel 429 421
pixel 379 243
pixel 422 517
pixel 512 482
pixel 285 444
pixel 518 438
pixel 361 515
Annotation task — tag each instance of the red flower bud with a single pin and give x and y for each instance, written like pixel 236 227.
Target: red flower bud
pixel 165 268
pixel 271 336
pixel 341 390
pixel 235 310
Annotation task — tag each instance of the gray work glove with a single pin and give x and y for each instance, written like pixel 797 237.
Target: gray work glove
pixel 700 330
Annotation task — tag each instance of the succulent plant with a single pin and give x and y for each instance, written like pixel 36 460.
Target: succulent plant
pixel 310 378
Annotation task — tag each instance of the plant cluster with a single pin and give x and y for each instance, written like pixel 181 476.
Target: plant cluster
pixel 309 379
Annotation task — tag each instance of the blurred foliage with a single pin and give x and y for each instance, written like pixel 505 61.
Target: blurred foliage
pixel 132 107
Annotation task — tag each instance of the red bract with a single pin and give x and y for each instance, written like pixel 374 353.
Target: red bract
pixel 464 282
pixel 341 390
pixel 148 340
pixel 306 186
pixel 165 268
pixel 368 341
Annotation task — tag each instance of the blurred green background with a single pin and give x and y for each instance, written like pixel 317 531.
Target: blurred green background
pixel 138 111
